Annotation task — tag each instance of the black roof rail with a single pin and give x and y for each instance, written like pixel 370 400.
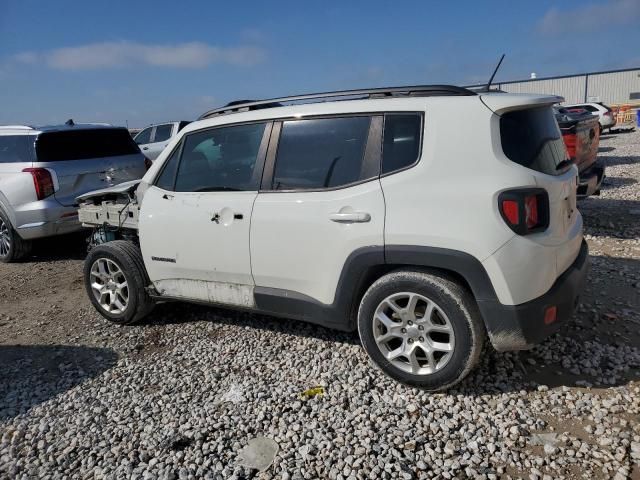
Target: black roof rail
pixel 415 90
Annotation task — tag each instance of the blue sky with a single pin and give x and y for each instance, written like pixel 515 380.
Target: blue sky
pixel 143 62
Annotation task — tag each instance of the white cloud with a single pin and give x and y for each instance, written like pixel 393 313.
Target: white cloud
pixel 598 17
pixel 122 54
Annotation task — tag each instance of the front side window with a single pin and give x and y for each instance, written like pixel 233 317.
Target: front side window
pixel 163 133
pixel 401 143
pixel 144 136
pixel 532 138
pixel 167 177
pixel 16 148
pixel 221 159
pixel 320 153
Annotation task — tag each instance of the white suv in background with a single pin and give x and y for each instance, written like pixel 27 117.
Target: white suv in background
pixel 153 139
pixel 44 169
pixel 605 115
pixel 381 213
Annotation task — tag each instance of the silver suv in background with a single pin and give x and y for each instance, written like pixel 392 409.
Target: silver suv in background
pixel 154 138
pixel 43 170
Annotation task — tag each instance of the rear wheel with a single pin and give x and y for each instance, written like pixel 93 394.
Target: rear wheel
pixel 115 280
pixel 12 246
pixel 421 328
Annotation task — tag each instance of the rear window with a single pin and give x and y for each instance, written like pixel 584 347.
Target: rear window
pixel 531 138
pixel 16 148
pixel 83 144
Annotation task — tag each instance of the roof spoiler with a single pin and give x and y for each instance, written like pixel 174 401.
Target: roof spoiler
pixel 500 102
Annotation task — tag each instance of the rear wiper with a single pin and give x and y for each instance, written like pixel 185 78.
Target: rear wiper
pixel 218 189
pixel 563 164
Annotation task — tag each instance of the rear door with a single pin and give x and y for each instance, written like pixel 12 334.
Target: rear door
pixel 159 140
pixel 194 224
pixel 88 159
pixel 321 201
pixel 16 153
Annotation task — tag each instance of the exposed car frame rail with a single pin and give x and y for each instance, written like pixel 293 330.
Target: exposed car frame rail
pixel 414 90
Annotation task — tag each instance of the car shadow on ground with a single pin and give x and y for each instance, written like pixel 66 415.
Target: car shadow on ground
pixel 64 247
pixel 606 149
pixel 615 182
pixel 613 160
pixel 179 312
pixel 610 217
pixel 593 349
pixel 33 374
pixel 599 347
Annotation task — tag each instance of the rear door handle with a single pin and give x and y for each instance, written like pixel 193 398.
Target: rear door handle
pixel 145 148
pixel 355 217
pixel 167 196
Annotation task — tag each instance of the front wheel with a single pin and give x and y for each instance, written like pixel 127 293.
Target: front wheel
pixel 115 280
pixel 421 328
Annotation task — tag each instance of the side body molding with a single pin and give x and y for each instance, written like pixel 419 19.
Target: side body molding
pixel 361 268
pixel 358 267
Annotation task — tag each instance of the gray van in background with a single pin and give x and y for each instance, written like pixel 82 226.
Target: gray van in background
pixel 43 170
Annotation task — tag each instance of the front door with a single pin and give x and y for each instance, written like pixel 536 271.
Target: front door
pixel 194 222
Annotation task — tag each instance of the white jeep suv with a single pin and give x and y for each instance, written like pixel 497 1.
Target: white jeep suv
pixel 382 213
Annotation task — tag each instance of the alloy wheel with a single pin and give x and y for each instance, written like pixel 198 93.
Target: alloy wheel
pixel 413 333
pixel 5 239
pixel 109 286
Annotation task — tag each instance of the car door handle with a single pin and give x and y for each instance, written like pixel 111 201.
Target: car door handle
pixel 145 148
pixel 167 196
pixel 355 217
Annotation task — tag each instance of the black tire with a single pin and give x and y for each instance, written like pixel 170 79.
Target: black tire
pixel 127 256
pixel 18 247
pixel 453 300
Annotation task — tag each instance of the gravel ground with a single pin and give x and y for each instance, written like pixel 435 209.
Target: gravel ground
pixel 181 395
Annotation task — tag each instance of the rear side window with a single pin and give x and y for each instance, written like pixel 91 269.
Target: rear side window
pixel 16 148
pixel 531 138
pixel 401 144
pixel 221 159
pixel 163 132
pixel 84 144
pixel 320 153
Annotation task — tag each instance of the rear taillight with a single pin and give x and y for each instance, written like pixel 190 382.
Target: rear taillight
pixel 525 211
pixel 42 181
pixel 147 163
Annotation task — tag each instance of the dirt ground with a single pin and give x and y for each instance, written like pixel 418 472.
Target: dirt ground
pixel 43 302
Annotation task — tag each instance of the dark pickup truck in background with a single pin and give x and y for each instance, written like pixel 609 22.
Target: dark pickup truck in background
pixel 581 135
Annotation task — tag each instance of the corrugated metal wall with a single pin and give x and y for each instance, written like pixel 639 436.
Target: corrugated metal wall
pixel 610 88
pixel 571 88
pixel 614 87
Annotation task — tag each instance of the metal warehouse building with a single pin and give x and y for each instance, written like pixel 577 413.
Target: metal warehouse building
pixel 612 87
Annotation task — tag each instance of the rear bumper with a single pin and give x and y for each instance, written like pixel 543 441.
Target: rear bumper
pixel 590 181
pixel 519 327
pixel 45 218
